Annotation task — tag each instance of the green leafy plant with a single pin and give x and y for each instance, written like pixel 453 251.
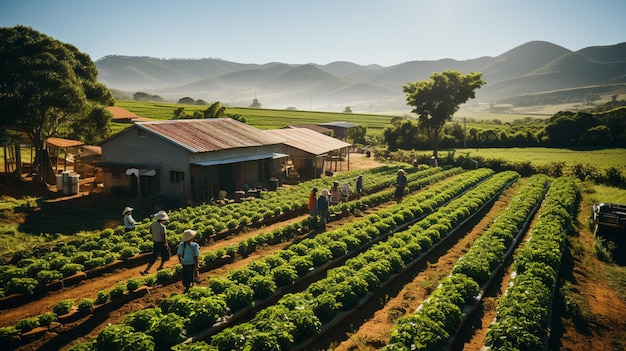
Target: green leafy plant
pixel 63 307
pixel 85 305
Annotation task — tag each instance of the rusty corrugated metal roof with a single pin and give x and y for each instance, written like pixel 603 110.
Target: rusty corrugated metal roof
pixel 308 140
pixel 213 134
pixel 121 113
pixel 63 143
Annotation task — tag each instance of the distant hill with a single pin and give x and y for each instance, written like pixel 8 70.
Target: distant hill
pixel 532 68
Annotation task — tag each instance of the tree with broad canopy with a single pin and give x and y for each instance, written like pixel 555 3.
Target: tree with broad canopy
pixel 49 88
pixel 435 100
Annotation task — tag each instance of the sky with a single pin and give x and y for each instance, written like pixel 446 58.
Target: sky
pixel 384 32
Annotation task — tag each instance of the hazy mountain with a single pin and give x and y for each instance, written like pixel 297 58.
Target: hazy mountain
pixel 531 68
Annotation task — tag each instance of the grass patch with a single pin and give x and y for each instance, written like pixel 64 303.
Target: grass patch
pixel 262 118
pixel 602 159
pixel 616 276
pixel 602 193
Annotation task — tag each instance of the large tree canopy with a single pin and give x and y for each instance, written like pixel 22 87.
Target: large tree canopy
pixel 48 88
pixel 435 100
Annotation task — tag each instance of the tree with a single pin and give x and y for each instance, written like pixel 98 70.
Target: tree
pixel 215 110
pixel 357 134
pixel 435 100
pixel 186 100
pixel 46 87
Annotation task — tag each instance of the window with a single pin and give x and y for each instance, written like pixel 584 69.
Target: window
pixel 177 177
pixel 141 133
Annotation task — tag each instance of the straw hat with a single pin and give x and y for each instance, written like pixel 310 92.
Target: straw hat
pixel 126 210
pixel 401 171
pixel 188 235
pixel 161 216
pixel 324 192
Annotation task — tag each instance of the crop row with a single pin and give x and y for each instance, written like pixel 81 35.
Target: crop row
pixel 523 313
pixel 302 315
pixel 441 315
pixel 110 245
pixel 210 259
pixel 204 306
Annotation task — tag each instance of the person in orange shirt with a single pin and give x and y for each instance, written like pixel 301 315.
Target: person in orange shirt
pixel 313 202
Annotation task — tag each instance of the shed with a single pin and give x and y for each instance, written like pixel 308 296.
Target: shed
pixel 70 149
pixel 312 153
pixel 190 159
pixel 340 129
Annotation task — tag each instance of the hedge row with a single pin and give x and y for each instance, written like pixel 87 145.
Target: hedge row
pixel 440 316
pixel 523 313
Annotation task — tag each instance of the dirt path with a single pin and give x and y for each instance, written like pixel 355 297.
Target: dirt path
pixel 375 332
pixel 605 309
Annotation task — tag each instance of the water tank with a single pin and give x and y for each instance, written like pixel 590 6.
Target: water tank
pixel 69 182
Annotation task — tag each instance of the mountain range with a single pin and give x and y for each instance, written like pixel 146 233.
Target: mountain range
pixel 536 67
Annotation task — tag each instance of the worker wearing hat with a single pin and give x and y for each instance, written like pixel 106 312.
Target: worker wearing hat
pixel 129 221
pixel 159 241
pixel 188 252
pixel 400 184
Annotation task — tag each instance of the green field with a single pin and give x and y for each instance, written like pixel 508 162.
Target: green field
pixel 540 156
pixel 262 118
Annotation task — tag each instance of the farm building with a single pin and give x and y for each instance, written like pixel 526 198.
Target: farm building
pixel 340 129
pixel 313 127
pixel 189 159
pixel 312 153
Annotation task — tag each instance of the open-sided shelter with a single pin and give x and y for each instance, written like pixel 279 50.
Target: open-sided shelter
pixel 312 153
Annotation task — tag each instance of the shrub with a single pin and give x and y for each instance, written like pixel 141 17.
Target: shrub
pixel 21 286
pixel 133 284
pixel 320 255
pixel 207 311
pixel 63 307
pixel 103 297
pixel 149 280
pixel 117 291
pixel 8 272
pixel 58 262
pixel 284 275
pixel 168 330
pixel 7 334
pixel 45 319
pixel 219 284
pixel 164 275
pixel 122 337
pixel 94 262
pixel 239 296
pixel 27 324
pixel 263 287
pixel 326 307
pixel 143 320
pixel 71 268
pixel 85 305
pixel 128 251
pixel 46 276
